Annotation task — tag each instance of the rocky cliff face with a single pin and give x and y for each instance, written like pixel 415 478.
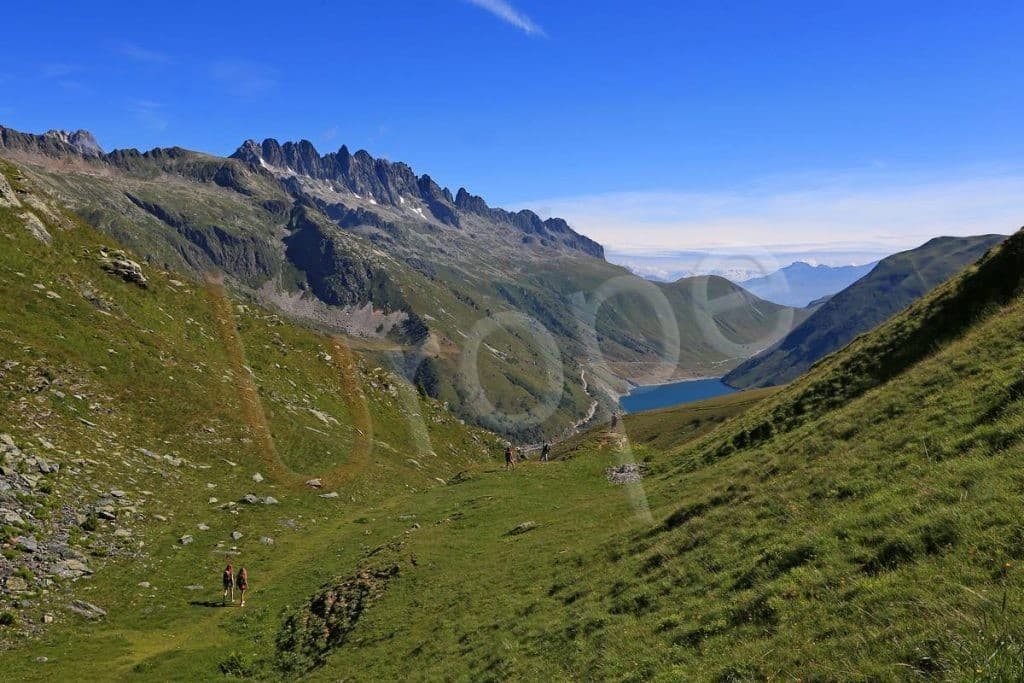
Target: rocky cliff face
pixel 52 143
pixel 392 184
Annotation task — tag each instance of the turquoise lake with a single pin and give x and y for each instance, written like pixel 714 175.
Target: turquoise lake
pixel 676 393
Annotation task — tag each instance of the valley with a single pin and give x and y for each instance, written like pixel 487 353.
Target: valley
pixel 158 424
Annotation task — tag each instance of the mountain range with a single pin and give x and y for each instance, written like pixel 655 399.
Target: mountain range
pixel 892 285
pixel 366 248
pixel 801 284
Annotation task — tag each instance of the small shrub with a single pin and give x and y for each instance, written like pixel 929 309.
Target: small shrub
pixel 238 666
pixel 8 618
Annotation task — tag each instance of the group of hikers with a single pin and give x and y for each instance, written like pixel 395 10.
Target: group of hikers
pixel 230 581
pixel 512 454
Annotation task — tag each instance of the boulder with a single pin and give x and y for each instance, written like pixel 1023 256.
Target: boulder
pixel 26 543
pixel 87 609
pixel 117 263
pixel 522 528
pixel 15 584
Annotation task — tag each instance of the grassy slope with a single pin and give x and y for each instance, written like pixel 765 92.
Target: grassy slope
pixel 890 287
pixel 159 371
pixel 879 539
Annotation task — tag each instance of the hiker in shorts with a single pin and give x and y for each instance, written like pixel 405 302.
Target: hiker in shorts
pixel 545 451
pixel 243 584
pixel 510 458
pixel 228 579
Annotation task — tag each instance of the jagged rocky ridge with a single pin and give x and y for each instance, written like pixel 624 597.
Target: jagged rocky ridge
pixel 391 184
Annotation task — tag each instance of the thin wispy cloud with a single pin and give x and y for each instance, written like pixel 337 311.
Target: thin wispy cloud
pixel 148 113
pixel 882 211
pixel 244 78
pixel 510 15
pixel 63 76
pixel 142 54
pixel 329 134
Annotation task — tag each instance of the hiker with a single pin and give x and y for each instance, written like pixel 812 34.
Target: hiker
pixel 243 584
pixel 228 579
pixel 615 420
pixel 510 458
pixel 545 450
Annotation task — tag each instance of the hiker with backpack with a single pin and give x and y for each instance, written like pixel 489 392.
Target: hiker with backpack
pixel 545 450
pixel 510 457
pixel 228 579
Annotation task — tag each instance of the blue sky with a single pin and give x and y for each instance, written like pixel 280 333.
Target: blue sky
pixel 651 126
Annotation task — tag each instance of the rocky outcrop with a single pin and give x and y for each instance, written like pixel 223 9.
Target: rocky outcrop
pixel 337 275
pixel 117 263
pixel 324 624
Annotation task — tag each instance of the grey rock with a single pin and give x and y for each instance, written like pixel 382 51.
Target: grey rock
pixel 332 494
pixel 235 535
pixel 117 263
pixel 626 473
pixel 314 483
pixel 203 527
pixel 270 500
pixel 26 543
pixel 186 539
pixel 250 498
pixel 87 609
pixel 11 517
pixel 15 584
pixel 257 477
pixel 266 540
pixel 522 528
pixel 45 467
pixel 71 569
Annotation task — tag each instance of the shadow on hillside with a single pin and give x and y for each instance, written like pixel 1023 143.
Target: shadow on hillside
pixel 208 603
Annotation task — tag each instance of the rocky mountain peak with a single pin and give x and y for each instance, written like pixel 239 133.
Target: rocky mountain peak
pixel 394 183
pixel 81 141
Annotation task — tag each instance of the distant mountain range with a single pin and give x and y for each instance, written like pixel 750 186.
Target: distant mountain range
pixel 895 283
pixel 800 283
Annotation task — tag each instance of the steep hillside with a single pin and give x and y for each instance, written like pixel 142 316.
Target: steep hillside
pixel 889 288
pixel 800 284
pixel 153 426
pixel 473 298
